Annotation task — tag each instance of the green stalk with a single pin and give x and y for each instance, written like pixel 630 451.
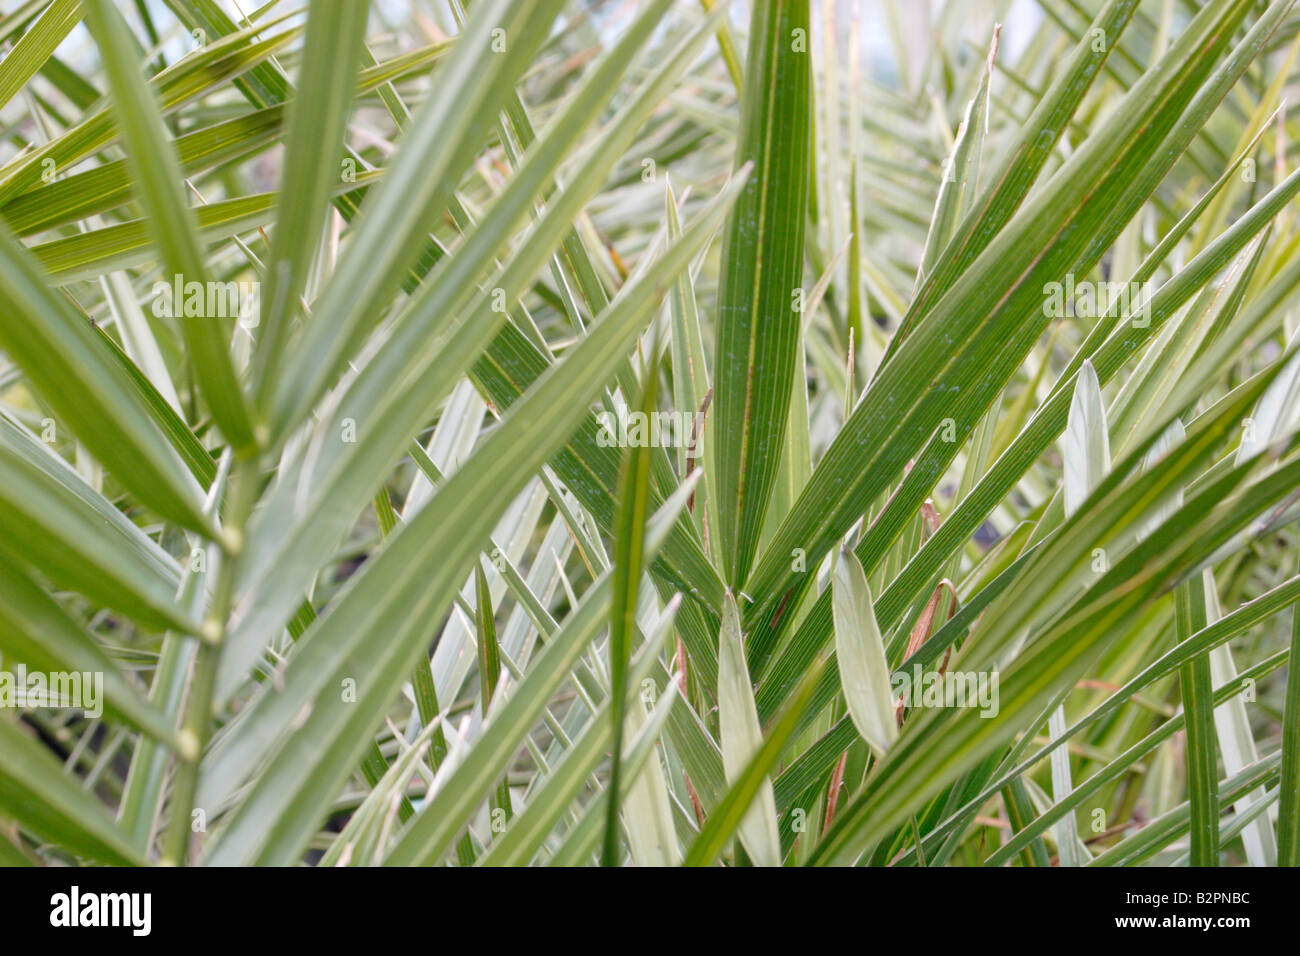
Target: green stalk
pixel 1288 824
pixel 197 728
pixel 1198 702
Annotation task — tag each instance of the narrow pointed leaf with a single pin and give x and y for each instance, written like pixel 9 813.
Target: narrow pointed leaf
pixel 759 295
pixel 860 650
pixel 742 740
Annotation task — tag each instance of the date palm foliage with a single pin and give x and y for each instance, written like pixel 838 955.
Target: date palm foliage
pixel 560 433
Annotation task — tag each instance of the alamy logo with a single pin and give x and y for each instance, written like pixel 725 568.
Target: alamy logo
pixel 209 300
pixel 1089 300
pixel 75 909
pixel 932 689
pixel 632 429
pixel 80 689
